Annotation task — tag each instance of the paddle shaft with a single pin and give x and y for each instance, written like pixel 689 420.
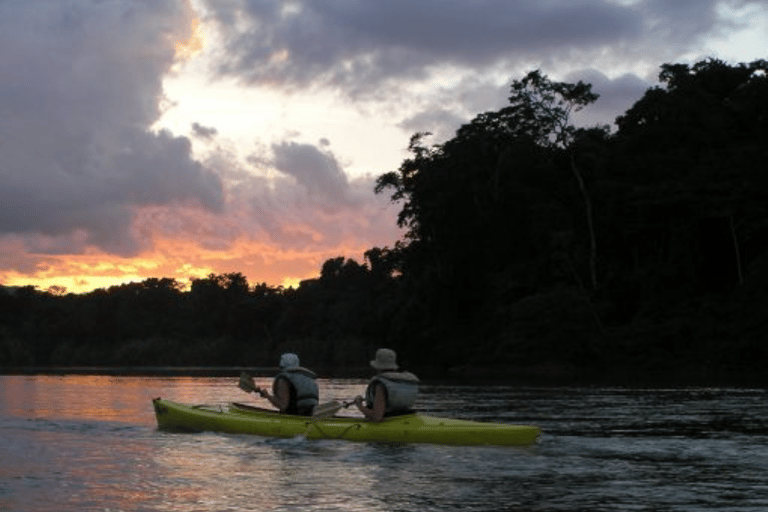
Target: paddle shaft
pixel 330 408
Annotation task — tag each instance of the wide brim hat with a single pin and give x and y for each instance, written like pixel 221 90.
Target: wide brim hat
pixel 386 359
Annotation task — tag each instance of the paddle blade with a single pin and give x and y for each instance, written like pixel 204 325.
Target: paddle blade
pixel 326 410
pixel 246 383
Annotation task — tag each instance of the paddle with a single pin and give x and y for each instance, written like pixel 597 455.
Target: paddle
pixel 247 384
pixel 329 409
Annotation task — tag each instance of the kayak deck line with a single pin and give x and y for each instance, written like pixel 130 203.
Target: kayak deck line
pixel 410 428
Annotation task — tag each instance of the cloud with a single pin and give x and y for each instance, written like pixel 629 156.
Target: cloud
pixel 82 84
pixel 312 204
pixel 353 44
pixel 204 132
pixel 356 45
pixel 617 95
pixel 456 103
pixel 439 122
pixel 315 170
pixel 441 62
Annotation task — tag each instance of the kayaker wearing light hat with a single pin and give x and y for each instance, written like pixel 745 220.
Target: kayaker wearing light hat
pixel 294 390
pixel 390 392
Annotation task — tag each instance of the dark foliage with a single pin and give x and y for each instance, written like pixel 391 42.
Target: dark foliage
pixel 530 244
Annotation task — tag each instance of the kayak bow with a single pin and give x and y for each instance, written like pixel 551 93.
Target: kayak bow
pixel 411 428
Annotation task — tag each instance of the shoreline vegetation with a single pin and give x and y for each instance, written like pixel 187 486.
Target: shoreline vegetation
pixel 534 251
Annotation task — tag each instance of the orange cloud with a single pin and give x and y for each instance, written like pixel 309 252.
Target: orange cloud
pixel 190 48
pixel 186 243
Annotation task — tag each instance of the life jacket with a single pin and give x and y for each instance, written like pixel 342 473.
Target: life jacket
pixel 304 394
pixel 401 389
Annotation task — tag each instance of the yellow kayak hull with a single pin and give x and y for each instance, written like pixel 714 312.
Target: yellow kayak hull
pixel 411 428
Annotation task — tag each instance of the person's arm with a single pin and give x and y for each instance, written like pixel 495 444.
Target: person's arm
pixel 282 397
pixel 375 413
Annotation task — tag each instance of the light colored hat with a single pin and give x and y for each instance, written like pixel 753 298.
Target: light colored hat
pixel 386 359
pixel 289 360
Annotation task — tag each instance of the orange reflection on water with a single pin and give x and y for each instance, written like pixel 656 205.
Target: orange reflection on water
pixel 84 397
pixel 90 397
pixel 89 465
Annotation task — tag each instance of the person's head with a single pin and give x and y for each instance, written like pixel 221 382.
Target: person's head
pixel 289 360
pixel 386 359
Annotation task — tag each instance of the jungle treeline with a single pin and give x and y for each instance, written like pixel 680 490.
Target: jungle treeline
pixel 531 248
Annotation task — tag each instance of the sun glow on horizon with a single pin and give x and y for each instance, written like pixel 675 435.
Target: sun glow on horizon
pixel 69 281
pixel 179 259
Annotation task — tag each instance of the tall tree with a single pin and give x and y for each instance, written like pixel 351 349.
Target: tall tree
pixel 482 208
pixel 546 108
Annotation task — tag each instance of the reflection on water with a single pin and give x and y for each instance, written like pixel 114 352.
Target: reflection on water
pixel 74 443
pixel 79 397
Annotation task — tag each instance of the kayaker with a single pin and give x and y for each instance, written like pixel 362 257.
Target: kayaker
pixel 390 392
pixel 294 390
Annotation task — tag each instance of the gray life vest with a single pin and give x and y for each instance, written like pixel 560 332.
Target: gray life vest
pixel 401 388
pixel 304 392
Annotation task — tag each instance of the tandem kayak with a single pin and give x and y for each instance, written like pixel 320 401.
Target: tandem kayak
pixel 410 428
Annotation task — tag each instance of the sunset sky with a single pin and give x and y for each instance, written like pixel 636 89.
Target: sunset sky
pixel 174 138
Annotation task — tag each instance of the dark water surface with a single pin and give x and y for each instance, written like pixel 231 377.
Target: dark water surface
pixel 90 443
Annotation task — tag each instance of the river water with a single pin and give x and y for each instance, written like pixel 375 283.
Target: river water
pixel 90 443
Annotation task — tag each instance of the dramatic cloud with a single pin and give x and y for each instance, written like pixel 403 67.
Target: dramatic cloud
pixel 82 83
pixel 444 61
pixel 357 45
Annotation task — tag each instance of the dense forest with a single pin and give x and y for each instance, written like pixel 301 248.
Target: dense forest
pixel 533 249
